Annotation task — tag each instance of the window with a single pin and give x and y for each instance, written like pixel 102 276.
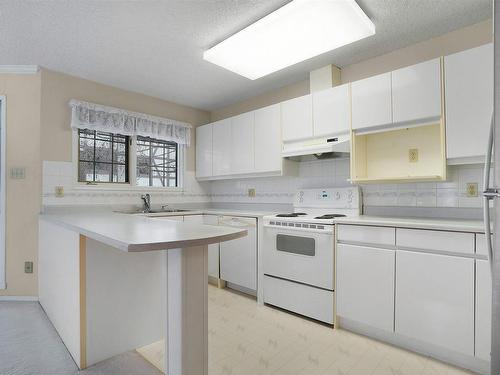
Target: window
pixel 157 163
pixel 102 157
pixel 129 160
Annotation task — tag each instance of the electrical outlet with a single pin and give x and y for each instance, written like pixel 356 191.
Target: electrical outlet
pixel 28 267
pixel 59 191
pixel 251 193
pixel 471 189
pixel 413 155
pixel 18 173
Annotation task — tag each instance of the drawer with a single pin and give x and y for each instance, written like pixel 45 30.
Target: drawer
pixel 366 234
pixel 454 242
pixel 481 244
pixel 302 299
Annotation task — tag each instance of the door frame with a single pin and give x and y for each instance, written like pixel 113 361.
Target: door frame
pixel 3 176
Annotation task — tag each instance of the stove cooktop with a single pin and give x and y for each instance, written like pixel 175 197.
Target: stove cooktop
pixel 293 214
pixel 329 216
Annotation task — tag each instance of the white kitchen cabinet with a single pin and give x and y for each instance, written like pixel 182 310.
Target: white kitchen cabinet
pixel 365 285
pixel 435 300
pixel 221 147
pixel 238 258
pixel 435 240
pixel 416 92
pixel 268 139
pixel 483 310
pixel 469 102
pixel 331 111
pixel 242 143
pixel 371 101
pixel 213 249
pixel 296 120
pixel 362 234
pixel 204 151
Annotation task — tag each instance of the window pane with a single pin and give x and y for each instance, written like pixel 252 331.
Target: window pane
pixel 156 162
pixel 86 172
pixel 119 153
pixel 119 173
pixel 103 172
pixel 103 151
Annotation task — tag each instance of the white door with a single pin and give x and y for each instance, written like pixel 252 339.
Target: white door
pixel 296 118
pixel 242 143
pixel 268 139
pixel 483 310
pixel 435 300
pixel 221 147
pixel 371 101
pixel 469 101
pixel 365 285
pixel 204 151
pixel 3 141
pixel 238 258
pixel 213 249
pixel 416 92
pixel 331 111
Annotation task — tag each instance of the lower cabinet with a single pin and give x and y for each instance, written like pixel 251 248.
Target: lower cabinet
pixel 483 310
pixel 238 258
pixel 435 300
pixel 213 249
pixel 365 285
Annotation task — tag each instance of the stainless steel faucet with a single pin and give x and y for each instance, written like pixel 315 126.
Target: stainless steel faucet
pixel 146 207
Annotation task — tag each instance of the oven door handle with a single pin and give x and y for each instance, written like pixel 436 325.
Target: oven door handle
pixel 298 230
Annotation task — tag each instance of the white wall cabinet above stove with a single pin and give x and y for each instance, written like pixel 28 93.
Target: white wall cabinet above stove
pixel 469 103
pixel 297 118
pixel 331 111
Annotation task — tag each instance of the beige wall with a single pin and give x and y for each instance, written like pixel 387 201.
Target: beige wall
pixel 454 41
pixel 58 89
pixel 38 128
pixel 23 196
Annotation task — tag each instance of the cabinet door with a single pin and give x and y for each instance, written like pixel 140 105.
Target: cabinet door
pixel 371 101
pixel 435 300
pixel 331 111
pixel 483 310
pixel 469 101
pixel 268 139
pixel 238 258
pixel 296 118
pixel 365 285
pixel 242 143
pixel 416 92
pixel 204 151
pixel 221 149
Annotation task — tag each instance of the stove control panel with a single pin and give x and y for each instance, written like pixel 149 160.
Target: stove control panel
pixel 349 198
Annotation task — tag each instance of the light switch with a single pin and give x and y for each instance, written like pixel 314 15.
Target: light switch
pixel 59 191
pixel 251 193
pixel 471 189
pixel 18 173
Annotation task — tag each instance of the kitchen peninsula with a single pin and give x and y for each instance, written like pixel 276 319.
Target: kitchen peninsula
pixel 113 282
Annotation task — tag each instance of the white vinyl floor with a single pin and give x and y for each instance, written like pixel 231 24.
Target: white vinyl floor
pixel 247 339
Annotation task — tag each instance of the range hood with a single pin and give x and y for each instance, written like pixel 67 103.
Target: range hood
pixel 321 148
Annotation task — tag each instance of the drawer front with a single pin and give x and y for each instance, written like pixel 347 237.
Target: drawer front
pixel 435 240
pixel 366 234
pixel 481 248
pixel 302 299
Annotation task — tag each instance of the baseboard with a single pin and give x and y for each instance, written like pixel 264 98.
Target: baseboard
pixel 18 299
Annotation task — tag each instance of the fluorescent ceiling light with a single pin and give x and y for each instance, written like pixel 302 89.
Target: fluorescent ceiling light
pixel 296 32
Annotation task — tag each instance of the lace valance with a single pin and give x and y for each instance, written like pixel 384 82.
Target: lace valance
pixel 119 121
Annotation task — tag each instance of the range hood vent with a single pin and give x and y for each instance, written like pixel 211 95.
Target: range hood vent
pixel 319 148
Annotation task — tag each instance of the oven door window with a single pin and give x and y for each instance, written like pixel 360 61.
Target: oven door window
pixel 296 244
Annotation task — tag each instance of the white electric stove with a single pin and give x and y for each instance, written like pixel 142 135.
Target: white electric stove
pixel 299 251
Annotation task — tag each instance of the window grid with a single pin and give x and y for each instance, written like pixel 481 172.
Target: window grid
pixel 157 161
pixel 113 139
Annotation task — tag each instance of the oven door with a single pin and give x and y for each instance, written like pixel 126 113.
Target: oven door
pixel 304 256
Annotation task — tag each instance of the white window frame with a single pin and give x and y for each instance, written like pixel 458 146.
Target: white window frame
pixel 3 174
pixel 132 168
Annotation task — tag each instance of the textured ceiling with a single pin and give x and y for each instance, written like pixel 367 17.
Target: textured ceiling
pixel 155 47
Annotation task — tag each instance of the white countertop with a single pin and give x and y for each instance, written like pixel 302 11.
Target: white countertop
pixel 135 233
pixel 457 225
pixel 214 211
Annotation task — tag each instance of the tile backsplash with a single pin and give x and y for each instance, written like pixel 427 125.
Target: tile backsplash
pixel 312 174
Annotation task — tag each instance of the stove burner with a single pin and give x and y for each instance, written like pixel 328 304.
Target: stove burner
pixel 294 214
pixel 330 216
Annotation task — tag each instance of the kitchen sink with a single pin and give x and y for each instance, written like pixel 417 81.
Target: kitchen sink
pixel 140 211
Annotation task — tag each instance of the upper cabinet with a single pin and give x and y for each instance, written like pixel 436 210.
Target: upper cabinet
pixel 221 147
pixel 267 135
pixel 331 111
pixel 371 102
pixel 296 120
pixel 416 93
pixel 469 103
pixel 204 150
pixel 242 143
